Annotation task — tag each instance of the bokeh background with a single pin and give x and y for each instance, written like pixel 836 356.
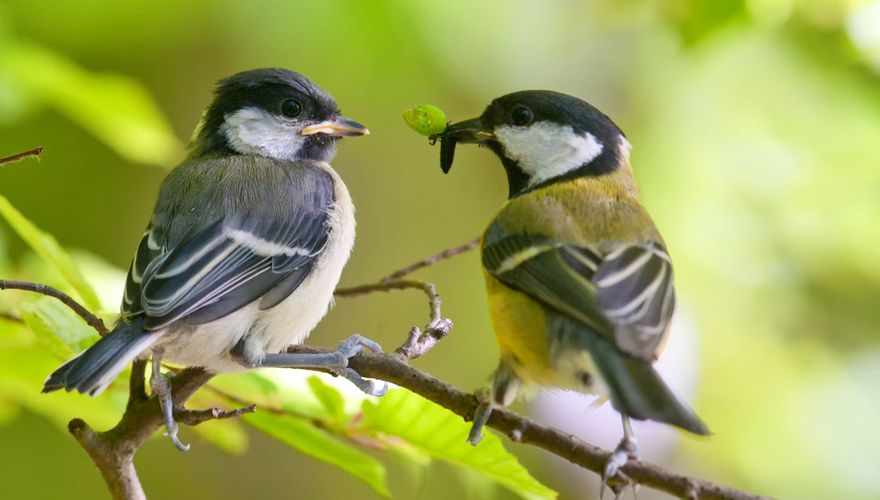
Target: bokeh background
pixel 756 134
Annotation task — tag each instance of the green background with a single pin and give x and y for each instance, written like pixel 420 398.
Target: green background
pixel 756 139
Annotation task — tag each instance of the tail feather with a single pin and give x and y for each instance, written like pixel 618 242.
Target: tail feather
pixel 96 367
pixel 636 388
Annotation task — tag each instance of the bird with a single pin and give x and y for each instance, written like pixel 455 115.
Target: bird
pixel 245 246
pixel 579 280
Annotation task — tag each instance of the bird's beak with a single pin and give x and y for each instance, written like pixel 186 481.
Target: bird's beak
pixel 467 132
pixel 338 126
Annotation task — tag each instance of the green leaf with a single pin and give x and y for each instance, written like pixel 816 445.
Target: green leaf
pixel 302 435
pixel 23 371
pixel 227 434
pixel 116 109
pixel 48 248
pixel 441 434
pixel 57 327
pixel 329 397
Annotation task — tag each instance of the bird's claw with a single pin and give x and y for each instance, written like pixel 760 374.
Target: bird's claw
pixel 626 450
pixel 161 386
pixel 370 387
pixel 351 346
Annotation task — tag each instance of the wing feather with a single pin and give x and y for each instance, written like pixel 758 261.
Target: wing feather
pixel 625 295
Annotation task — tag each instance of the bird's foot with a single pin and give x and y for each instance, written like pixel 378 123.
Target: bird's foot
pixel 349 348
pixel 161 386
pixel 335 362
pixel 481 416
pixel 626 450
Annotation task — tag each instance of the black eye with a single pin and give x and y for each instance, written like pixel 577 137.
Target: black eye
pixel 521 116
pixel 291 108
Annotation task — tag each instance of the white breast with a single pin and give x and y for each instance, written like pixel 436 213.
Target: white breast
pixel 290 322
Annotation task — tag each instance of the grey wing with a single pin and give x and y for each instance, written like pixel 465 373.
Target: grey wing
pixel 626 295
pixel 229 265
pixel 637 293
pixel 150 247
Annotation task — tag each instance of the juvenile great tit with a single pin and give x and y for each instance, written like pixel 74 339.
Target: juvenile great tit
pixel 244 248
pixel 579 280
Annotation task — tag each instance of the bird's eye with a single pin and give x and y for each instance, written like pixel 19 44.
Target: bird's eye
pixel 522 116
pixel 291 108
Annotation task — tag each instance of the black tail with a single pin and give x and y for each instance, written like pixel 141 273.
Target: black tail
pixel 96 367
pixel 637 390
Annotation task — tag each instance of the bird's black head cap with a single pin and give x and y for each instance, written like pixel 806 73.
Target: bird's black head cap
pixel 543 137
pixel 286 102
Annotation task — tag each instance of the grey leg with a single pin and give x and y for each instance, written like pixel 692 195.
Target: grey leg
pixel 336 361
pixel 161 387
pixel 626 450
pixel 505 385
pixel 481 416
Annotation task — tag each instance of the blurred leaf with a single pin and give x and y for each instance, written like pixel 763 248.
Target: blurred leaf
pixel 116 109
pixel 48 248
pixel 57 327
pixel 227 434
pixel 23 370
pixel 304 436
pixel 329 397
pixel 441 433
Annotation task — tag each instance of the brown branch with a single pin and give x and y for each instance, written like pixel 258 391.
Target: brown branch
pixel 92 320
pixel 430 261
pixel 196 417
pixel 388 286
pixel 113 451
pixel 20 156
pixel 524 430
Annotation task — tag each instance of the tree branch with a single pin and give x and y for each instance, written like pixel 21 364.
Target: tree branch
pixel 93 321
pixel 113 451
pixel 430 261
pixel 20 156
pixel 391 368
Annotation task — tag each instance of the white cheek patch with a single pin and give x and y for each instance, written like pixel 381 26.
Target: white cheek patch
pixel 545 150
pixel 256 131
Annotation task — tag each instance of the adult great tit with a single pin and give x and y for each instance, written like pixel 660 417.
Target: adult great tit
pixel 579 280
pixel 244 248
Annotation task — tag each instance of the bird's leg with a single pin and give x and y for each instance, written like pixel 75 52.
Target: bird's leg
pixel 505 385
pixel 481 415
pixel 161 387
pixel 336 362
pixel 626 450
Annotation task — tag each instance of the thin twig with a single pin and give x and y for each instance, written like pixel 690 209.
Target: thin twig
pixel 20 156
pixel 196 417
pixel 430 261
pixel 387 286
pixel 92 320
pixel 418 342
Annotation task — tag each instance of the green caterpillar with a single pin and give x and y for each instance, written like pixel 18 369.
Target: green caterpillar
pixel 425 119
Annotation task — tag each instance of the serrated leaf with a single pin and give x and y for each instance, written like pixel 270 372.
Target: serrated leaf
pixel 441 434
pixel 304 436
pixel 57 327
pixel 116 109
pixel 48 248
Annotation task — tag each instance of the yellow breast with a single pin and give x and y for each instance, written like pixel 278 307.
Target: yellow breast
pixel 520 326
